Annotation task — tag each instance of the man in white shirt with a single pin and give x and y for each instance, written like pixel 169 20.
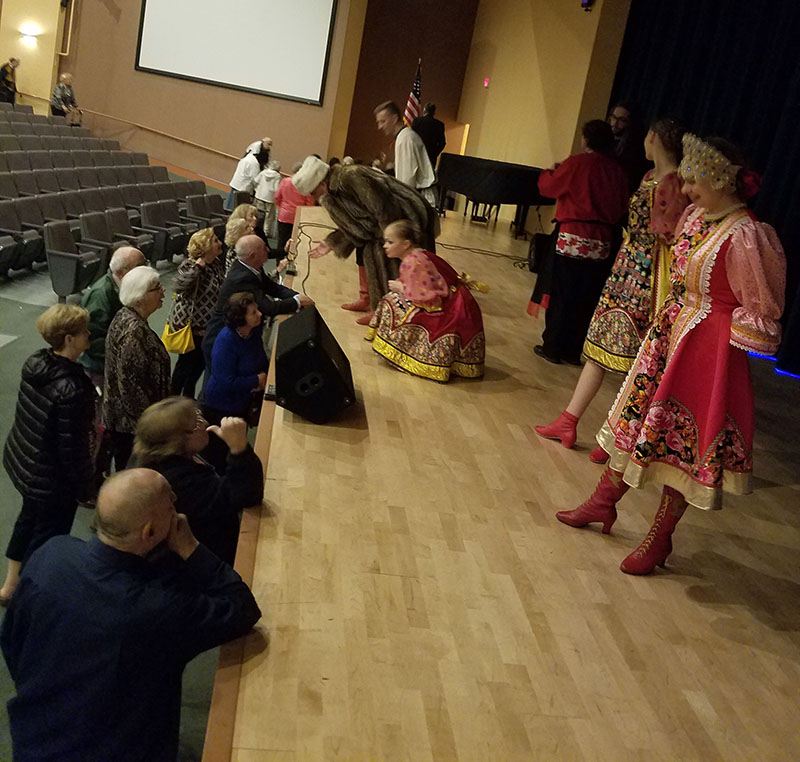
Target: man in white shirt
pixel 256 146
pixel 411 163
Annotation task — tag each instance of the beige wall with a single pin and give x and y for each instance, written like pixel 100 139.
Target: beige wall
pixel 36 74
pixel 102 61
pixel 550 67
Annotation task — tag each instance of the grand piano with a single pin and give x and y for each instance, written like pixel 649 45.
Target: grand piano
pixel 485 181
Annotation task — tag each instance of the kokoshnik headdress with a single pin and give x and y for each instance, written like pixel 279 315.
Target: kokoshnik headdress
pixel 702 161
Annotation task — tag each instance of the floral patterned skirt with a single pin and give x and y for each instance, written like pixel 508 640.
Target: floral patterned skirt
pixel 626 307
pixel 685 420
pixel 434 344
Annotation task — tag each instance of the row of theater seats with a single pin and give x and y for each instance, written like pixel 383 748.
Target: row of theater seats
pixel 15 160
pixel 28 128
pixel 75 232
pixel 55 143
pixel 71 199
pixel 33 182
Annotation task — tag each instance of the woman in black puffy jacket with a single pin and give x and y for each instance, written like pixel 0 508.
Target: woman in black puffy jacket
pixel 48 451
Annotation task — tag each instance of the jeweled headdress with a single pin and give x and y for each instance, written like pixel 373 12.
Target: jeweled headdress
pixel 702 161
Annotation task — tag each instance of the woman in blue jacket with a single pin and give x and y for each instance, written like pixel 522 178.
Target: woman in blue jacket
pixel 238 361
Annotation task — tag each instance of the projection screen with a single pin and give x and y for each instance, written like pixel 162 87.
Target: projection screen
pixel 274 47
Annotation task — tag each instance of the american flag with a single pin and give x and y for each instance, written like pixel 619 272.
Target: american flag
pixel 412 107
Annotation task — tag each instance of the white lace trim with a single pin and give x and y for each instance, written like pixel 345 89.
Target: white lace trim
pixel 716 241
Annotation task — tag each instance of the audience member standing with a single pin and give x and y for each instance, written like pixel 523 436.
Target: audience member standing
pixel 244 178
pixel 170 436
pixel 431 130
pixel 62 101
pixel 591 195
pixel 287 199
pixel 102 302
pixel 238 362
pixel 8 80
pixel 411 163
pixel 48 453
pixel 267 184
pixel 265 144
pixel 246 274
pixel 197 286
pixel 99 633
pixel 628 143
pixel 137 364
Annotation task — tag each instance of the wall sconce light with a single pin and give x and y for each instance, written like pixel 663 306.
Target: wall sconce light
pixel 29 33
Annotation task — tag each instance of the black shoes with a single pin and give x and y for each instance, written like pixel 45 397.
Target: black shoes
pixel 539 350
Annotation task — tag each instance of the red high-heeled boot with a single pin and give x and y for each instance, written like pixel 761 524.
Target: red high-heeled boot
pixel 657 546
pixel 564 428
pixel 362 303
pixel 598 455
pixel 601 506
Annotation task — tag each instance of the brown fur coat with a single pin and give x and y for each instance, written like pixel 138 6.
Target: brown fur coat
pixel 362 201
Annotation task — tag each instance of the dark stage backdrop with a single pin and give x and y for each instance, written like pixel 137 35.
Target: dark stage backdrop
pixel 730 69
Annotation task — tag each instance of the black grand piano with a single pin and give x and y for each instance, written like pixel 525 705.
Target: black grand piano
pixel 485 181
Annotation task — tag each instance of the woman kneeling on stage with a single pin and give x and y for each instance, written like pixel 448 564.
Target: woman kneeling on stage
pixel 429 324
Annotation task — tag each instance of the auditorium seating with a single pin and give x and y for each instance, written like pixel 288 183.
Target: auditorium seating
pixel 72 267
pixel 52 174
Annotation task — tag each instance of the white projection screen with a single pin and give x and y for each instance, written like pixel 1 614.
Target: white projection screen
pixel 274 47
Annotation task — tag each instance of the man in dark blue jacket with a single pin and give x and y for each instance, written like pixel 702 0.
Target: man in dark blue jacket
pixel 246 274
pixel 98 634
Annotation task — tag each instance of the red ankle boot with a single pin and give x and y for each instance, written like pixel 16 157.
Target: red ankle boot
pixel 362 303
pixel 563 428
pixel 365 319
pixel 601 506
pixel 598 455
pixel 657 546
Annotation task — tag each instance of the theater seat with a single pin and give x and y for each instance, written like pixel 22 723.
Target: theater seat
pixel 26 183
pixel 170 239
pixel 40 160
pixel 198 207
pixel 7 187
pixel 31 245
pixel 72 203
pixel 96 229
pixel 72 267
pixel 52 209
pixel 113 199
pixel 9 252
pixel 120 225
pixel 17 161
pixel 61 159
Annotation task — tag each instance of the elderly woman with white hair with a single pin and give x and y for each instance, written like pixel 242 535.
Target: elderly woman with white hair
pixel 137 369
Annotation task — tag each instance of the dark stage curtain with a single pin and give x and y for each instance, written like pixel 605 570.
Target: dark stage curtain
pixel 729 69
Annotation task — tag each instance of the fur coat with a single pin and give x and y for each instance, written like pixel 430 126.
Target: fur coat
pixel 362 201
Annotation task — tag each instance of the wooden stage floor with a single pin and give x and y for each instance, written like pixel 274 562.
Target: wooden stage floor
pixel 421 602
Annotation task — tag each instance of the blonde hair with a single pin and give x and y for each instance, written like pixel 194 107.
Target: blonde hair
pixel 59 321
pixel 234 230
pixel 242 211
pixel 200 243
pixel 162 429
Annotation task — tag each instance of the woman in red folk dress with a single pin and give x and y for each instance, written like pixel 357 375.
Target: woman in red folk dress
pixel 684 416
pixel 428 324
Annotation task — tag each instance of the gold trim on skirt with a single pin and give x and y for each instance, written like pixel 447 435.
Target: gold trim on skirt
pixel 425 370
pixel 698 495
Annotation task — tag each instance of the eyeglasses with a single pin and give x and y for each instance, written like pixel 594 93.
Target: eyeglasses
pixel 157 287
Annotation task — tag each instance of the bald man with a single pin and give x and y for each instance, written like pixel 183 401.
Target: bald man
pixel 98 633
pixel 102 302
pixel 247 274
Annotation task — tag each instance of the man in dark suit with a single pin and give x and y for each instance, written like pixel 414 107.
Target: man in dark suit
pixel 246 275
pixel 431 130
pixel 98 633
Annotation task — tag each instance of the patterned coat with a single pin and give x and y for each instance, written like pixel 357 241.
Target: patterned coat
pixel 196 292
pixel 137 370
pixel 362 201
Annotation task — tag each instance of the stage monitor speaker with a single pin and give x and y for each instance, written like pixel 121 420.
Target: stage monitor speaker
pixel 312 373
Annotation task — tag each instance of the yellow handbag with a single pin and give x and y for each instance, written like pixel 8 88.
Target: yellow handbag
pixel 178 342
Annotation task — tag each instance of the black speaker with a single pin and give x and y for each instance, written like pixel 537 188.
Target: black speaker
pixel 312 373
